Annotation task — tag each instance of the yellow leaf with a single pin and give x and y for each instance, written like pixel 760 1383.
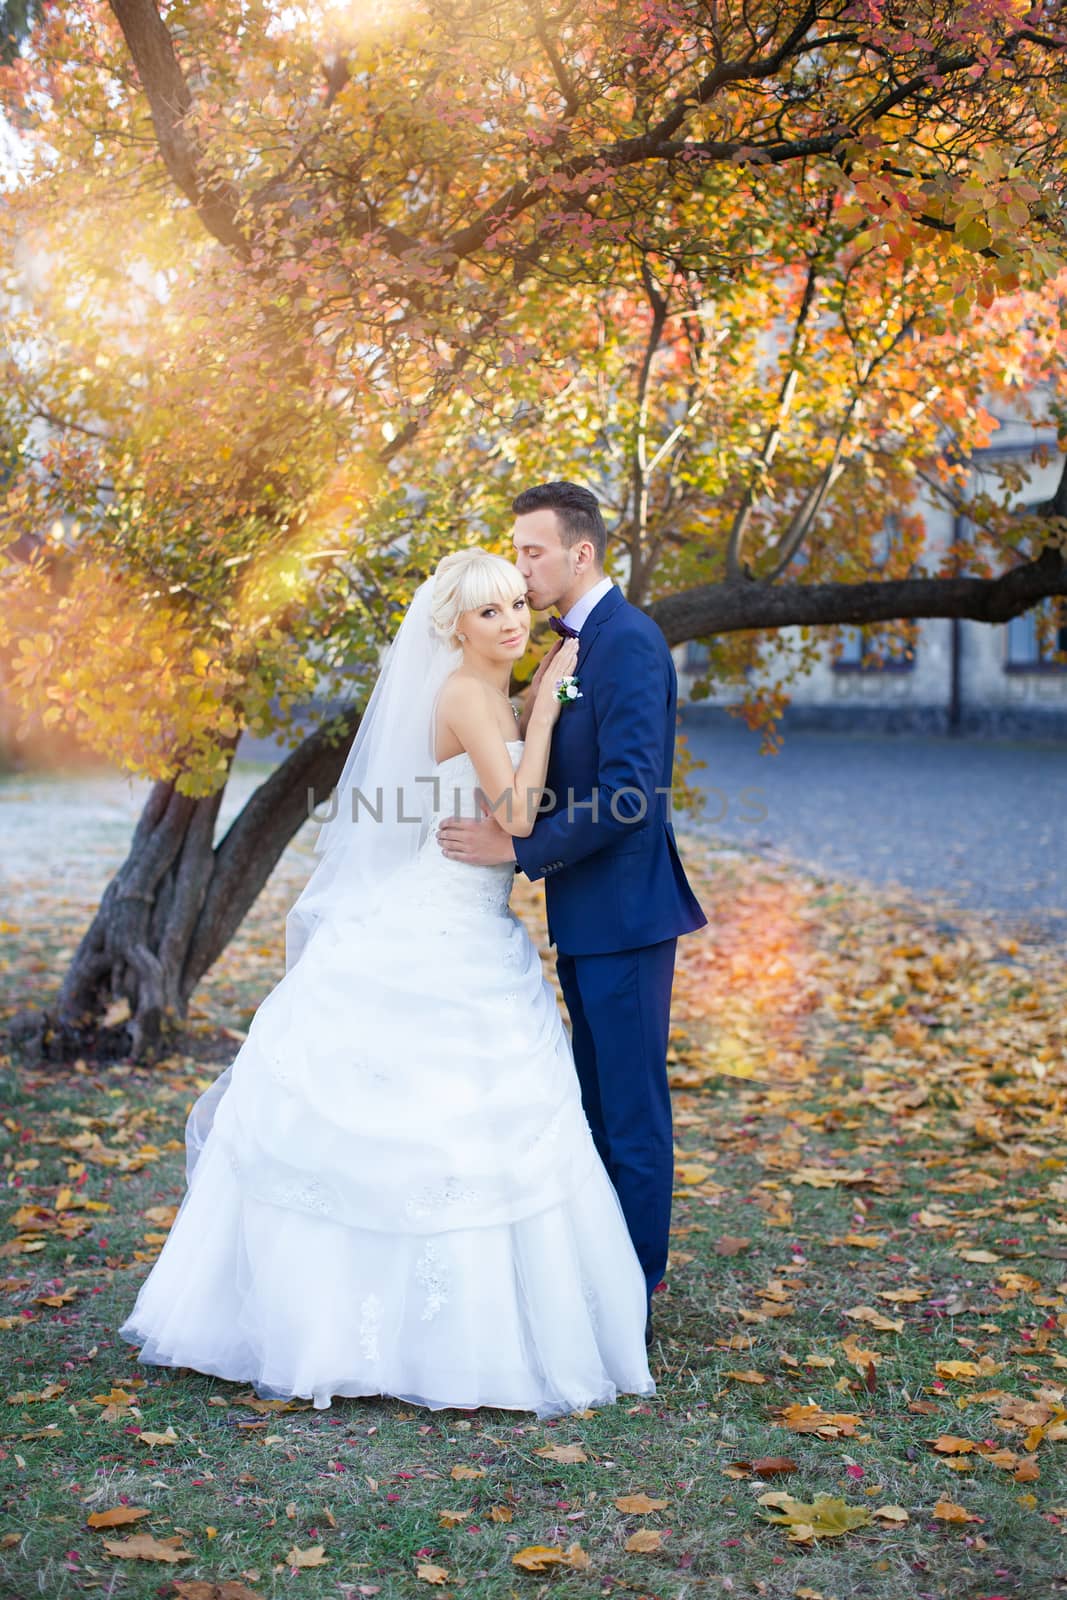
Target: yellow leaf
pixel 144 1547
pixel 452 1519
pixel 747 1376
pixel 170 1437
pixel 826 1517
pixel 314 1556
pixel 875 1319
pixel 428 1573
pixel 639 1504
pixel 567 1453
pixel 691 1172
pixel 891 1513
pixel 539 1557
pixel 644 1540
pixel 467 1472
pixel 963 1370
pixel 500 1513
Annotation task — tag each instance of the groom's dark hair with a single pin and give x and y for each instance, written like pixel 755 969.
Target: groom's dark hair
pixel 577 511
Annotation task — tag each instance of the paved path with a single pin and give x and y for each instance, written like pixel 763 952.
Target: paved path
pixel 983 821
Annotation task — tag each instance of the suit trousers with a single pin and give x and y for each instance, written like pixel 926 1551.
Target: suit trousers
pixel 619 1007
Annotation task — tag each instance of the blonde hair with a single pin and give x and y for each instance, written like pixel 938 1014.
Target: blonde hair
pixel 466 580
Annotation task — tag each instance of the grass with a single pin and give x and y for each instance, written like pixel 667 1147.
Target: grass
pixel 846 1068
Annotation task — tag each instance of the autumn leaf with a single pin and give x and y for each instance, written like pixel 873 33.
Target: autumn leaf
pixel 170 1437
pixel 825 1518
pixel 644 1540
pixel 500 1514
pixel 452 1519
pixel 227 1589
pixel 639 1504
pixel 566 1453
pixel 691 1172
pixel 875 1319
pixel 539 1557
pixel 461 1471
pixel 813 1419
pixel 949 1511
pixel 951 1444
pixel 730 1245
pixel 767 1466
pixel 426 1572
pixel 895 1514
pixel 747 1376
pixel 117 1516
pixel 314 1556
pixel 144 1547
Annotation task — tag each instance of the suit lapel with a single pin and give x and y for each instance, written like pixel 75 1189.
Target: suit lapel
pixel 590 630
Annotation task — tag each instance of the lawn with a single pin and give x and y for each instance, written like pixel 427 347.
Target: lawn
pixel 861 1374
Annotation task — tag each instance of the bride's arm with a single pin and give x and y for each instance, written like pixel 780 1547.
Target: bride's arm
pixel 513 794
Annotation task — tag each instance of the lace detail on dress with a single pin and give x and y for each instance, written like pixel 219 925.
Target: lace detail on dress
pixel 370 1326
pixel 430 1271
pixel 306 1195
pixel 451 1192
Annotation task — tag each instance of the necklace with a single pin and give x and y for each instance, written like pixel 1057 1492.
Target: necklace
pixel 507 697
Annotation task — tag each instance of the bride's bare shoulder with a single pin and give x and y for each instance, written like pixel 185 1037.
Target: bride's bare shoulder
pixel 463 693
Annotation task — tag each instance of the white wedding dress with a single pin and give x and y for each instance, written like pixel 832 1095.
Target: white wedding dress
pixel 394 1189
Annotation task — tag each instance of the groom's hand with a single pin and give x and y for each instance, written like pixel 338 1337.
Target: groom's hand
pixel 477 844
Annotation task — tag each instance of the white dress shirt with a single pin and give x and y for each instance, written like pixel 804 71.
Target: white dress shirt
pixel 579 611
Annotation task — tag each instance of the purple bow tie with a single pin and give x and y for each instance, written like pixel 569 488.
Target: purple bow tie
pixel 564 629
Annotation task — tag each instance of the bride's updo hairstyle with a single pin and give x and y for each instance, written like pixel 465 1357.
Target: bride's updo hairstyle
pixel 466 580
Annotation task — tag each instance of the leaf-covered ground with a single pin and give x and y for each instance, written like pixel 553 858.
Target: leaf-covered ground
pixel 860 1360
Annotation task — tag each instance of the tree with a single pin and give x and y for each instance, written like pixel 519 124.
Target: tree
pixel 274 285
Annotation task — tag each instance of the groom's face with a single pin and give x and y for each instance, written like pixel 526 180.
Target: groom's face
pixel 543 559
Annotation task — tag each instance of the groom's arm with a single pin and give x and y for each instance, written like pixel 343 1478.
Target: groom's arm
pixel 631 711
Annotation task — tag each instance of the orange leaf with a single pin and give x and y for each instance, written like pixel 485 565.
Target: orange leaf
pixel 117 1516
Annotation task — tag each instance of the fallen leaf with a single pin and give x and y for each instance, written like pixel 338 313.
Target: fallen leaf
pixel 313 1556
pixel 568 1453
pixel 644 1540
pixel 639 1504
pixel 949 1511
pixel 767 1466
pixel 143 1547
pixel 467 1472
pixel 727 1244
pixel 116 1517
pixel 452 1519
pixel 747 1377
pixel 227 1589
pixel 428 1573
pixel 875 1319
pixel 539 1557
pixel 826 1517
pixel 170 1437
pixel 891 1513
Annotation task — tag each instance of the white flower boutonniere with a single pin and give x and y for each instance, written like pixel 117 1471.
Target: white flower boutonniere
pixel 567 690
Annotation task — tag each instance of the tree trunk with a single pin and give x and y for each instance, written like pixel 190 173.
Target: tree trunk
pixel 173 906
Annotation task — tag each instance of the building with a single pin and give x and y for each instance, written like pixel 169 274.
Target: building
pixel 962 676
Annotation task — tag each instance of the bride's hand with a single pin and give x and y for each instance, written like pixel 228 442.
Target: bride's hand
pixel 564 658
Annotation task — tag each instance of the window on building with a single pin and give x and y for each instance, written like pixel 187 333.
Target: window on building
pixel 854 651
pixel 696 656
pixel 1035 639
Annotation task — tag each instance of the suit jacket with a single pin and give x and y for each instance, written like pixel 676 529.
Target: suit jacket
pixel 606 847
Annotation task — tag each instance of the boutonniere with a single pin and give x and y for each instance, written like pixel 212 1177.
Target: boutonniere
pixel 567 690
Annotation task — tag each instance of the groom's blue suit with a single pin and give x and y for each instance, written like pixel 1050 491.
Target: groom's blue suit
pixel 617 900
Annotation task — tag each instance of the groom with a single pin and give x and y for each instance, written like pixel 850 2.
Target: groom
pixel 615 891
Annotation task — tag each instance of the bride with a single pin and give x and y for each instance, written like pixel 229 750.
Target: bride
pixel 393 1189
